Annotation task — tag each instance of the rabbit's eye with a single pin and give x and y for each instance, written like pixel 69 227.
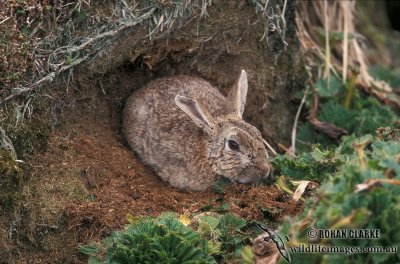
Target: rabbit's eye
pixel 233 145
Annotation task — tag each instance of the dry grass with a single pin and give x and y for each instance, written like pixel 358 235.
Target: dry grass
pixel 329 38
pixel 337 19
pixel 6 143
pixel 274 18
pixel 75 33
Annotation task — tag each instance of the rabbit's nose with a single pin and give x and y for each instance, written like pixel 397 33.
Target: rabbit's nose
pixel 265 167
pixel 249 179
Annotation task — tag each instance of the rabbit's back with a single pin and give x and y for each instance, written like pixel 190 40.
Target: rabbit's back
pixel 163 135
pixel 166 89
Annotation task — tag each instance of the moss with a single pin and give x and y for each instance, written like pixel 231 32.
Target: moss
pixel 30 137
pixel 11 180
pixel 28 132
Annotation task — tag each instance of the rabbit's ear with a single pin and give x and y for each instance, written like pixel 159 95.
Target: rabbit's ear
pixel 196 112
pixel 237 95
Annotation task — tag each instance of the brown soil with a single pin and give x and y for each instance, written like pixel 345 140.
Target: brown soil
pixel 90 176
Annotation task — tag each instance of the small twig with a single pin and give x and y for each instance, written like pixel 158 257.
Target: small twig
pixel 270 148
pixel 102 88
pixel 115 31
pixel 4 20
pixel 296 119
pixel 5 142
pixel 314 110
pixel 47 78
pixel 327 44
pixel 330 130
pixel 26 107
pixel 307 220
pixel 288 151
pixel 284 21
pixel 273 21
pixel 346 17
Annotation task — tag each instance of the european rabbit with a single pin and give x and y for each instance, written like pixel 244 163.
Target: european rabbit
pixel 190 133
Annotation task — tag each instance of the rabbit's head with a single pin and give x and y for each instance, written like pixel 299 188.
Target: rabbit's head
pixel 234 147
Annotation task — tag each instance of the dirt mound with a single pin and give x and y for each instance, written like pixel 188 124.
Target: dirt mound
pixel 90 182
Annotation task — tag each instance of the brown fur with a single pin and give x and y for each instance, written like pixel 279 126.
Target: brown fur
pixel 181 125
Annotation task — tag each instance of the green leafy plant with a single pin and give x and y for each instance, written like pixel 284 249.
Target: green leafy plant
pixel 363 194
pixel 220 185
pixel 385 74
pixel 167 240
pixel 345 107
pixel 318 165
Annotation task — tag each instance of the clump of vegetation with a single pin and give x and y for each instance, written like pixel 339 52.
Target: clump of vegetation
pixel 382 73
pixel 220 185
pixel 18 39
pixel 362 195
pixel 168 239
pixel 317 165
pixel 149 240
pixel 345 107
pixel 11 180
pixel 30 137
pixel 359 173
pixel 27 126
